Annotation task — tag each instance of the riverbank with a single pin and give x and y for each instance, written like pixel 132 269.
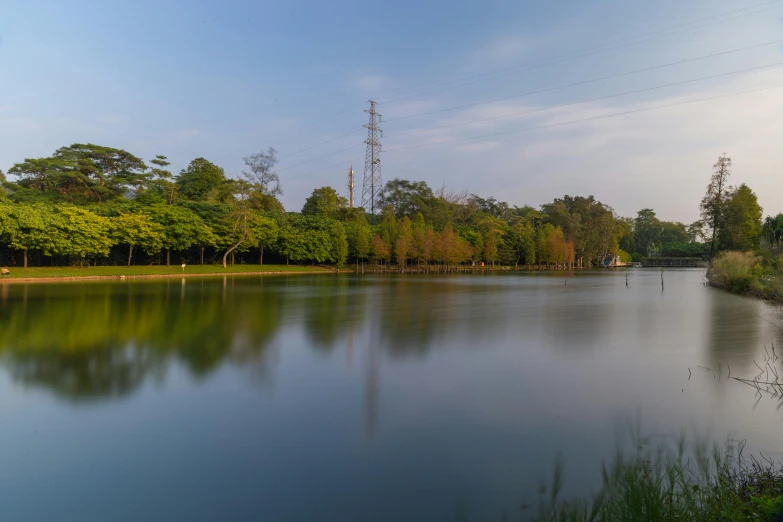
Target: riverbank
pixel 58 274
pixel 747 274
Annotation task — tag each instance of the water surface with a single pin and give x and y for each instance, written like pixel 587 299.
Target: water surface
pixel 381 397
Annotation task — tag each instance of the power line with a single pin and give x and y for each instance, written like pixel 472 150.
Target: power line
pixel 583 119
pixel 589 48
pixel 387 98
pixel 320 157
pixel 325 168
pixel 566 58
pixel 323 143
pixel 508 115
pixel 522 65
pixel 286 156
pixel 565 104
pixel 584 82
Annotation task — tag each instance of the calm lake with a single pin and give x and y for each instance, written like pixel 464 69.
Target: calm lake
pixel 357 398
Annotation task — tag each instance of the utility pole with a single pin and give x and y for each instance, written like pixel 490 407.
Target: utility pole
pixel 371 184
pixel 350 186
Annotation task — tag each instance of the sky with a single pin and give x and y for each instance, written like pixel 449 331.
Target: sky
pixel 556 85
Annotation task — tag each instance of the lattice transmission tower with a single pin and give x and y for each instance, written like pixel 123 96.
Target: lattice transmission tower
pixel 371 184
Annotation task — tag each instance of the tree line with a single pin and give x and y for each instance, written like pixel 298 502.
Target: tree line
pixel 91 204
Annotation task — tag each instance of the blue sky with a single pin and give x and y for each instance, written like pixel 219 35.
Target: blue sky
pixel 225 79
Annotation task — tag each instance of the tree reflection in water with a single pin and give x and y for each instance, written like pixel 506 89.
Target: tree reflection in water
pixel 95 339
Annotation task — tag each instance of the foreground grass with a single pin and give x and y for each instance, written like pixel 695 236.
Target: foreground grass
pixel 745 273
pixel 108 271
pixel 670 483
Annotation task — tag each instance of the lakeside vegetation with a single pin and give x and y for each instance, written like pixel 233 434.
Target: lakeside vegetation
pixel 745 252
pixel 90 205
pixel 670 482
pixel 747 273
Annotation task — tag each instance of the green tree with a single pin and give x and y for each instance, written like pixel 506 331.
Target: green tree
pixel 492 230
pixel 388 227
pixel 324 202
pixel 292 242
pixel 202 180
pixel 162 182
pixel 404 243
pixel 241 218
pixel 713 205
pixel 215 216
pixel 182 228
pixel 339 244
pixel 673 232
pixel 695 231
pixel 137 229
pixel 522 240
pixel 742 225
pixel 407 198
pixel 26 228
pixel 646 231
pixel 544 234
pixel 420 238
pixel 587 223
pixel 359 234
pixel 84 172
pixel 79 233
pixel 772 231
pixel 305 239
pixel 261 172
pixel 265 231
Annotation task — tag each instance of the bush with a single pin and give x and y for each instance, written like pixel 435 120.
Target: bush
pixel 744 273
pixel 625 257
pixel 734 271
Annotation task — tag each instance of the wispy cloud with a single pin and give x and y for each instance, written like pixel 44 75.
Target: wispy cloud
pixel 631 161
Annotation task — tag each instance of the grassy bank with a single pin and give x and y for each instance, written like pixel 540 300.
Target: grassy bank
pixel 669 483
pixel 60 272
pixel 747 274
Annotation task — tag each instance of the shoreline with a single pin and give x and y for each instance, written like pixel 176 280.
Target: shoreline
pixel 753 293
pixel 120 277
pixel 277 272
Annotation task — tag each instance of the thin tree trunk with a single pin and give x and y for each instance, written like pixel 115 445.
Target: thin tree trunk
pixel 130 255
pixel 168 257
pixel 230 250
pixel 261 255
pixel 202 255
pixel 24 252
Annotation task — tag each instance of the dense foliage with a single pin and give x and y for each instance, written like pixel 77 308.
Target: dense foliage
pixel 99 205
